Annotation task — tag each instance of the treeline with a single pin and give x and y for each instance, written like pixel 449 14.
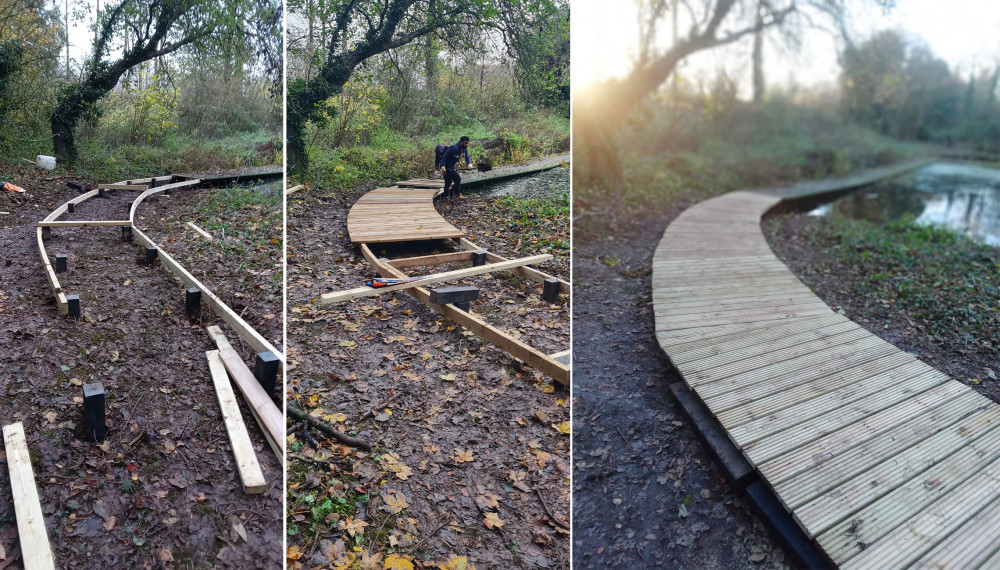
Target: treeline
pixel 496 71
pixel 904 91
pixel 154 79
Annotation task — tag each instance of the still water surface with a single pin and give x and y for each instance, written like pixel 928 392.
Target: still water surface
pixel 962 197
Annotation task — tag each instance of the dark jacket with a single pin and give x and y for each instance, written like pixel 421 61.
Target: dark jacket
pixel 452 155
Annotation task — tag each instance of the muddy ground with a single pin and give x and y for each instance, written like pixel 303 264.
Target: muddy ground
pixel 463 434
pixel 163 487
pixel 646 492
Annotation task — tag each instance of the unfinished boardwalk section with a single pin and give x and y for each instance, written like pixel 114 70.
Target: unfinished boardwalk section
pixel 883 461
pixel 404 212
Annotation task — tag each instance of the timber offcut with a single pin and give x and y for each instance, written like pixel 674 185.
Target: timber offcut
pixel 883 461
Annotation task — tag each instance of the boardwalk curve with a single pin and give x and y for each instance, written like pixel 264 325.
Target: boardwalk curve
pixel 882 460
pixel 399 214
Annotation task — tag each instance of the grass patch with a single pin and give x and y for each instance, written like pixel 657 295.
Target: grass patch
pixel 538 222
pixel 947 282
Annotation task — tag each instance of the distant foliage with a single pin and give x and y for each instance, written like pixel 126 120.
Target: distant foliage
pixel 904 91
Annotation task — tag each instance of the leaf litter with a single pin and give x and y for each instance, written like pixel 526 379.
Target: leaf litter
pixel 438 403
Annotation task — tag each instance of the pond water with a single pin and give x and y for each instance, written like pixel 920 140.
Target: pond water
pixel 545 184
pixel 961 197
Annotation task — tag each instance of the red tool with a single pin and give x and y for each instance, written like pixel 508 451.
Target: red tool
pixel 11 187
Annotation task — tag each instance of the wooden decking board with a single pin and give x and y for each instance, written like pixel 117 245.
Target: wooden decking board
pixel 792 460
pixel 837 504
pixel 741 302
pixel 812 482
pixel 711 370
pixel 684 351
pixel 898 532
pixel 841 355
pixel 746 318
pixel 737 408
pixel 753 346
pixel 972 545
pixel 720 312
pixel 814 418
pixel 398 214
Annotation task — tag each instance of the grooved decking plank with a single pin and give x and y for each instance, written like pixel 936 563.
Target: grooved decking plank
pixel 811 482
pixel 833 507
pixel 904 525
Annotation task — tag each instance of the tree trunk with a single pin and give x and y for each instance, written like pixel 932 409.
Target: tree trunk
pixel 758 60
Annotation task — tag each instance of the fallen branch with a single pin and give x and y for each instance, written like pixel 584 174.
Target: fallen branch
pixel 548 512
pixel 342 437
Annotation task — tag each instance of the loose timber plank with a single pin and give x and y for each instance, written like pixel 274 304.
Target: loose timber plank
pixel 530 356
pixel 27 510
pixel 123 186
pixel 200 231
pixel 349 294
pixel 247 466
pixel 526 272
pixel 267 414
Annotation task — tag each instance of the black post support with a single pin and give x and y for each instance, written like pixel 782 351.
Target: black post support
pixel 152 183
pixel 265 370
pixel 462 306
pixel 127 233
pixel 46 233
pixel 73 304
pixel 550 289
pixel 447 295
pixel 94 418
pixel 70 207
pixel 151 255
pixel 61 263
pixel 102 192
pixel 478 258
pixel 192 301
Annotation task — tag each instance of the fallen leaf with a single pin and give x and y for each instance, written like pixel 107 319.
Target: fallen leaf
pixel 492 520
pixel 462 456
pixel 353 526
pixel 488 501
pixel 397 562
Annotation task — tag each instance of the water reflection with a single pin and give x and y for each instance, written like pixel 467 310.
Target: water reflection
pixel 962 197
pixel 545 184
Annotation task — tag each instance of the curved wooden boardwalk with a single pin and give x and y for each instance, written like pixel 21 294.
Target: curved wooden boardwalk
pixel 884 461
pixel 404 212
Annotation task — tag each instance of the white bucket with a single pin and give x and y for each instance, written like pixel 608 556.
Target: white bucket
pixel 46 162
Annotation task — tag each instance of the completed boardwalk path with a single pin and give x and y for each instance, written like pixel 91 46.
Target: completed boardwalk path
pixel 884 461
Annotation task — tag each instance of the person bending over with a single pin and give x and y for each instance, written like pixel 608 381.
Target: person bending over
pixel 449 159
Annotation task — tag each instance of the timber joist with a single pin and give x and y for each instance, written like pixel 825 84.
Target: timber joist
pixel 226 357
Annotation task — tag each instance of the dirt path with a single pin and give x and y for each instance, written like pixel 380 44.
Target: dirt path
pixel 164 486
pixel 646 491
pixel 462 433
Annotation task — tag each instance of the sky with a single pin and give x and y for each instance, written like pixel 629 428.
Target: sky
pixel 966 34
